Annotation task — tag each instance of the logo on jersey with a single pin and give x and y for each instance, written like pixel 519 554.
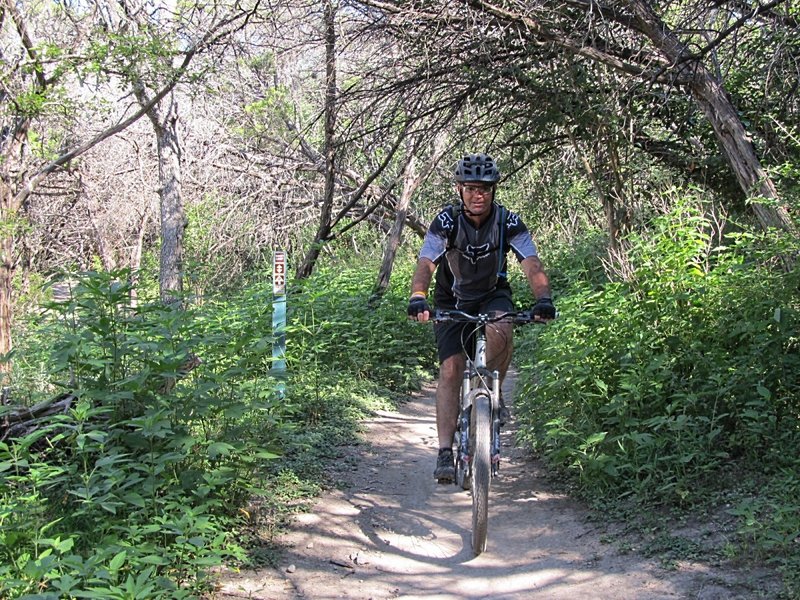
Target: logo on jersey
pixel 476 253
pixel 446 221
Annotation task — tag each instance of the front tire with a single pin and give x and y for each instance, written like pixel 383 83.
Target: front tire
pixel 481 433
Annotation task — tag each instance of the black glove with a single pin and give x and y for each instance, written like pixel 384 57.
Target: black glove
pixel 417 305
pixel 544 309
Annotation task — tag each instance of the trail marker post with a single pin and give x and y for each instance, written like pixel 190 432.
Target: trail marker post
pixel 278 368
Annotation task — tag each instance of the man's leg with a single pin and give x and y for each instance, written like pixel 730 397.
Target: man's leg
pixel 499 336
pixel 500 346
pixel 451 372
pixel 499 349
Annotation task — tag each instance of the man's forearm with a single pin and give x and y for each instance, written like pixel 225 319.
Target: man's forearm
pixel 423 274
pixel 537 278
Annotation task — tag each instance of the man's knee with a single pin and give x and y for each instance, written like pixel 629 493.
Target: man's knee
pixel 452 368
pixel 500 335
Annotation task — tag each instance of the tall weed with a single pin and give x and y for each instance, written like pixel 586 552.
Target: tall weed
pixel 677 386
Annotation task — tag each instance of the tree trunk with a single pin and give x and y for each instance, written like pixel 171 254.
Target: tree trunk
pixel 136 255
pixel 104 249
pixel 173 218
pixel 728 127
pixel 739 151
pixel 10 202
pixel 324 229
pixel 410 184
pixel 6 286
pixel 606 200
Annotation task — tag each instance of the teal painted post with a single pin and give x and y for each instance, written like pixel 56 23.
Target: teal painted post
pixel 279 319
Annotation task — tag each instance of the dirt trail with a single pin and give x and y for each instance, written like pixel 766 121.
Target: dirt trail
pixel 396 533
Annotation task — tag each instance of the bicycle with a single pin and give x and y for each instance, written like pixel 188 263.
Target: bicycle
pixel 477 436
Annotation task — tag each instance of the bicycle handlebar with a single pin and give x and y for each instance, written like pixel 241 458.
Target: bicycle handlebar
pixel 521 317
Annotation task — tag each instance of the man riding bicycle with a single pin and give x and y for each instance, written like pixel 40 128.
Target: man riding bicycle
pixel 466 246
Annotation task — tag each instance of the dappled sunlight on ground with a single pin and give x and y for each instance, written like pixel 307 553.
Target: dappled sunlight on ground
pixel 396 533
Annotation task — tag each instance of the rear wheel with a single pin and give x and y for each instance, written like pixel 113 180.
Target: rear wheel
pixel 480 432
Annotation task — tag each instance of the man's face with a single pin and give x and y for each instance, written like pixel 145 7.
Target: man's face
pixel 477 197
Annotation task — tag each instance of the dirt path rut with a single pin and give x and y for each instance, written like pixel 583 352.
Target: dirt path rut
pixel 395 533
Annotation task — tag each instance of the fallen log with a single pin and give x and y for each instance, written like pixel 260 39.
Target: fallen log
pixel 19 421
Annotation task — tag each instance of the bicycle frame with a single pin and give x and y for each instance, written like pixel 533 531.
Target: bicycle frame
pixel 477 377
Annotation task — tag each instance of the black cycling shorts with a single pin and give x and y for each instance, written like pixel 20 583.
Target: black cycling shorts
pixel 452 338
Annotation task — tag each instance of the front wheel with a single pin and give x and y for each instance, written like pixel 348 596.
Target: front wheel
pixel 481 433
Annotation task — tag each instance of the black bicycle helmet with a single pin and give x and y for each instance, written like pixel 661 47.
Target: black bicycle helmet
pixel 477 167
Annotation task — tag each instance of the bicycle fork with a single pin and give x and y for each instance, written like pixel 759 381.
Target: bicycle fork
pixel 495 423
pixel 465 415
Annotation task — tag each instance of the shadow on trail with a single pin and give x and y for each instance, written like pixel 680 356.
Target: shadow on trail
pixel 396 533
pixel 413 534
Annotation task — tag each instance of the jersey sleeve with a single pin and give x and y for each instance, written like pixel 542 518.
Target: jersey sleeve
pixel 435 243
pixel 519 238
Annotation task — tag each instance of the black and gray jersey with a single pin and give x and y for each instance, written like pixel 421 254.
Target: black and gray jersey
pixel 471 263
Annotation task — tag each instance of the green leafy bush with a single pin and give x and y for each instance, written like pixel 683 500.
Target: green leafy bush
pixel 677 386
pixel 158 473
pixel 128 493
pixel 336 324
pixel 652 384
